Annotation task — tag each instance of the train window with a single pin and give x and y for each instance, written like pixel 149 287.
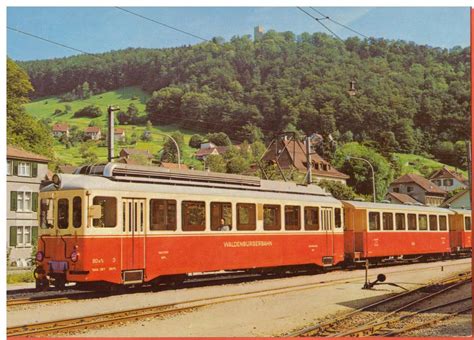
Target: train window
pixel 77 212
pixel 433 222
pixel 467 223
pixel 387 221
pixel 108 218
pixel 338 217
pixel 374 220
pixel 46 213
pixel 311 218
pixel 443 223
pixel 271 217
pixel 162 214
pixel 63 213
pixel 292 217
pixel 422 222
pixel 246 219
pixel 193 216
pixel 400 221
pixel 221 215
pixel 411 221
pixel 124 215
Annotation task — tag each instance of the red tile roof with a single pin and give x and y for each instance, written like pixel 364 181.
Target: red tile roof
pixel 444 172
pixel 427 185
pixel 297 154
pixel 119 131
pixel 173 166
pixel 403 198
pixel 17 153
pixel 60 127
pixel 92 129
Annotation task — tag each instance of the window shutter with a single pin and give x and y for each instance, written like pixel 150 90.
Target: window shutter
pixel 13 200
pixel 15 168
pixel 12 236
pixel 34 235
pixel 34 201
pixel 34 169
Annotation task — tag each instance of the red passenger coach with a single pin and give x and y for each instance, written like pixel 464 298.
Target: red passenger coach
pixel 460 231
pixel 122 225
pixel 380 232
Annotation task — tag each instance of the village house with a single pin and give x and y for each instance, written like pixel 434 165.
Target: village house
pixel 448 180
pixel 93 132
pixel 292 154
pixel 25 172
pixel 461 200
pixel 119 134
pixel 207 149
pixel 419 188
pixel 398 198
pixel 60 129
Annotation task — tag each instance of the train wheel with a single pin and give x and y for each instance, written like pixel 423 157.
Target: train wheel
pixel 42 285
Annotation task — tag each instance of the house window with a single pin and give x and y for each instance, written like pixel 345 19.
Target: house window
pixel 396 189
pixel 24 201
pixel 24 169
pixel 448 182
pixel 23 236
pixel 9 168
pixel 409 189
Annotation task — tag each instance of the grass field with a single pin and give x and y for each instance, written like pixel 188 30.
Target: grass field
pixel 411 163
pixel 45 108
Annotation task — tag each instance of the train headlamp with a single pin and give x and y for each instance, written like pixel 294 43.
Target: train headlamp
pixel 39 256
pixel 56 180
pixel 74 256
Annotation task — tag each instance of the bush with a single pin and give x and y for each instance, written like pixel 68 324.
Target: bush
pixel 196 141
pixel 91 111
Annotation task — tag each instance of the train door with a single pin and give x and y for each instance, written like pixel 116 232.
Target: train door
pixel 133 247
pixel 327 222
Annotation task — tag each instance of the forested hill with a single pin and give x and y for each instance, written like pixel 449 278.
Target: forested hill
pixel 410 98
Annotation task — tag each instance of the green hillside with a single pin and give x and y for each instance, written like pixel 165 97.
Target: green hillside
pixel 45 108
pixel 410 163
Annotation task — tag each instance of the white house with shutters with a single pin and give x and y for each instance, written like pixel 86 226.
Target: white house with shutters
pixel 25 172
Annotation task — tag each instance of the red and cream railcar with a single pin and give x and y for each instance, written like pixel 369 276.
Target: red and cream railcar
pixel 125 224
pixel 380 231
pixel 460 231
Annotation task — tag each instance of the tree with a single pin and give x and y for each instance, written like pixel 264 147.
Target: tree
pixel 164 106
pixel 86 93
pixel 23 130
pixel 170 154
pixel 90 111
pixel 215 163
pixel 132 112
pixel 219 139
pixel 195 141
pixel 360 172
pixel 339 190
pixel 88 156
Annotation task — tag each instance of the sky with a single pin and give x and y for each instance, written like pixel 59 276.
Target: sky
pixel 101 29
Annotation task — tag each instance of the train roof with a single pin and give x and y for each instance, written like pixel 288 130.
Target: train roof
pixel 461 211
pixel 391 206
pixel 172 181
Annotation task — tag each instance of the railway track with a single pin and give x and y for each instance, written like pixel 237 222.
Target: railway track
pixel 39 298
pixel 365 321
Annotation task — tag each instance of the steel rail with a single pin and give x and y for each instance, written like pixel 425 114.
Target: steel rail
pixel 372 327
pixel 328 327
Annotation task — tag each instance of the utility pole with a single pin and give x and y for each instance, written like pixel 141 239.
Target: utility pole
pixel 110 137
pixel 309 175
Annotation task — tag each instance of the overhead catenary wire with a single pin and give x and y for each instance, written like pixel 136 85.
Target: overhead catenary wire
pixel 161 23
pixel 338 23
pixel 319 20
